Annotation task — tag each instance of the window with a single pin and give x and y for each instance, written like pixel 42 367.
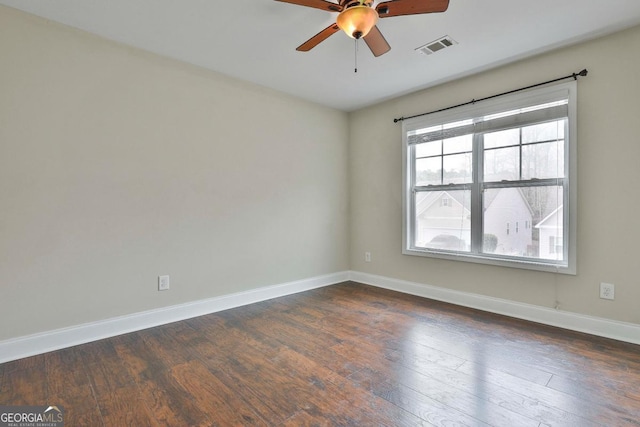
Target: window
pixel 471 173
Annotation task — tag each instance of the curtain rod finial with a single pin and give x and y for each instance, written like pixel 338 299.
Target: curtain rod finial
pixel 582 73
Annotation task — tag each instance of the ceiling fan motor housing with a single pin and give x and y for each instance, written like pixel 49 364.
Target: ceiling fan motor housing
pixel 358 20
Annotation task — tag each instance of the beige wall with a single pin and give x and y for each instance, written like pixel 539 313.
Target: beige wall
pixel 117 166
pixel 608 183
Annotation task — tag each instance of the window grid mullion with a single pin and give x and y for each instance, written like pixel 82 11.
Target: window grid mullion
pixel 549 182
pixel 412 218
pixel 476 194
pixel 520 153
pixel 441 162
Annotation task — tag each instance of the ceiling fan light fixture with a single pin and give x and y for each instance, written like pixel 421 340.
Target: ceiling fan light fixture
pixel 357 21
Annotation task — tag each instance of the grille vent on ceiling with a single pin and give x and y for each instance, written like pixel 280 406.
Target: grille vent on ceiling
pixel 436 45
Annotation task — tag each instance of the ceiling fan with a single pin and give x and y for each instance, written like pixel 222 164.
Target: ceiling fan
pixel 358 18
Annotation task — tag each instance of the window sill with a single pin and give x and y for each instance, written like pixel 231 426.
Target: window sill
pixel 522 263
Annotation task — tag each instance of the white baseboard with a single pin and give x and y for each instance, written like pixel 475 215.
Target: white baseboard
pixel 31 345
pixel 17 348
pixel 621 331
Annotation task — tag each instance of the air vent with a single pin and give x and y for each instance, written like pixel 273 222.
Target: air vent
pixel 436 45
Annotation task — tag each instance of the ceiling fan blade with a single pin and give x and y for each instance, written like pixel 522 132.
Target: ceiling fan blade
pixel 376 42
pixel 318 4
pixel 320 37
pixel 387 9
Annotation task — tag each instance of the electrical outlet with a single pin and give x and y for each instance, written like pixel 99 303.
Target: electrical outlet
pixel 163 283
pixel 607 291
pixel 367 256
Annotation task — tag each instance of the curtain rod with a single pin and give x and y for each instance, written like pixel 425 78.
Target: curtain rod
pixel 574 76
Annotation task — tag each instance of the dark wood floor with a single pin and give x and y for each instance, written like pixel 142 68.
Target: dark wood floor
pixel 343 355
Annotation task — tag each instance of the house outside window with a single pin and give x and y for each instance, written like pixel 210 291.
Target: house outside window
pixel 509 161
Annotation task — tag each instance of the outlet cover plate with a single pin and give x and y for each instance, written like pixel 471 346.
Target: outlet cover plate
pixel 163 283
pixel 607 291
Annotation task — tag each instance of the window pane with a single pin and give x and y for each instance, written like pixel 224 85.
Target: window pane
pixel 502 164
pixel 503 138
pixel 543 132
pixel 429 171
pixel 543 160
pixel 522 221
pixel 433 148
pixel 443 220
pixel 459 144
pixel 457 168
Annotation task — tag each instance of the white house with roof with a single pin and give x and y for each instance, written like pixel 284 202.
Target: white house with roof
pixel 508 216
pixel 443 213
pixel 551 235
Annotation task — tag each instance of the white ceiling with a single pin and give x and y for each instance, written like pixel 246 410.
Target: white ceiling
pixel 255 40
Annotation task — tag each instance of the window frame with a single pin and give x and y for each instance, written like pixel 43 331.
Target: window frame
pixel 569 181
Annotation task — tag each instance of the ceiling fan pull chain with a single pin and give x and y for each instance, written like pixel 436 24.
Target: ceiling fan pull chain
pixel 356 55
